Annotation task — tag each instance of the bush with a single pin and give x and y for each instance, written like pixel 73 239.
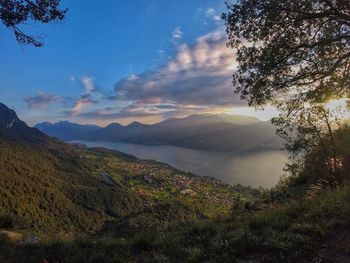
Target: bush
pixel 7 221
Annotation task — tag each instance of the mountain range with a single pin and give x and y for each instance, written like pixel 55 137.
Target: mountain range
pixel 207 131
pixel 64 202
pixel 49 187
pixel 66 130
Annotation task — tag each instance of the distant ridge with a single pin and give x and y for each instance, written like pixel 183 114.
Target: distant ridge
pixel 202 131
pixel 66 130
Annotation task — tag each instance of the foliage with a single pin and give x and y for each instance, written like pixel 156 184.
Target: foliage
pixel 310 134
pixel 316 167
pixel 98 205
pixel 52 189
pixel 7 221
pixel 16 12
pixel 295 56
pixel 293 232
pixel 296 49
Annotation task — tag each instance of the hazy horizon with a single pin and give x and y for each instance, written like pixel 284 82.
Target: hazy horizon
pixel 184 68
pixel 151 123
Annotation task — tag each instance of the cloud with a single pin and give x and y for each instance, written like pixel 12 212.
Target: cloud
pixel 121 114
pixel 87 98
pixel 198 79
pixel 198 76
pixel 177 33
pixel 139 110
pixel 210 12
pixel 81 104
pixel 217 18
pixel 88 84
pixel 41 100
pixel 214 15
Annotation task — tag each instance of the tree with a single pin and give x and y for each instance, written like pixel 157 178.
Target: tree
pixel 311 136
pixel 295 55
pixel 16 12
pixel 297 49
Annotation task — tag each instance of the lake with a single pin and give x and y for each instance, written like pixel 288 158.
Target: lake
pixel 262 168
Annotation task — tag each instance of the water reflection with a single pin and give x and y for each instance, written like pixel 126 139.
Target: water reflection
pixel 247 168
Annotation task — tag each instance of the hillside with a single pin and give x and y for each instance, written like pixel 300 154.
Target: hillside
pixel 46 186
pixel 67 203
pixel 303 231
pixel 211 132
pixel 49 187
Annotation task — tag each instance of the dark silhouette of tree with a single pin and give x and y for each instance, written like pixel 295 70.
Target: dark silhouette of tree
pixel 295 55
pixel 311 136
pixel 295 47
pixel 16 12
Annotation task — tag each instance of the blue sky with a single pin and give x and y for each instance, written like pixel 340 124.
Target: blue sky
pixel 119 61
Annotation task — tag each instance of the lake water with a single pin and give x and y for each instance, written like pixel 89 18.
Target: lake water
pixel 263 168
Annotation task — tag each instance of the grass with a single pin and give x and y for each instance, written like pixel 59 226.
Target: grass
pixel 290 233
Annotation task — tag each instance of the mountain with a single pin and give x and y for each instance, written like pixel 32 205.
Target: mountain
pixel 9 119
pixel 48 187
pixel 68 203
pixel 211 132
pixel 66 130
pixel 208 131
pixel 11 126
pixel 201 119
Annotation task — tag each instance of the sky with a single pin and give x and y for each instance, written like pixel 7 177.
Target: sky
pixel 120 61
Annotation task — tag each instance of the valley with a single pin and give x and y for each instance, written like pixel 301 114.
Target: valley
pixel 230 167
pixel 202 131
pixel 63 189
pixel 67 202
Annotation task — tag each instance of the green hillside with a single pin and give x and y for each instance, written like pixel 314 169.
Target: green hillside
pixel 58 193
pixel 69 203
pixel 60 188
pixel 52 189
pixel 304 231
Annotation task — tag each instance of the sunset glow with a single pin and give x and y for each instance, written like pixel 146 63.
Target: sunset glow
pixel 339 105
